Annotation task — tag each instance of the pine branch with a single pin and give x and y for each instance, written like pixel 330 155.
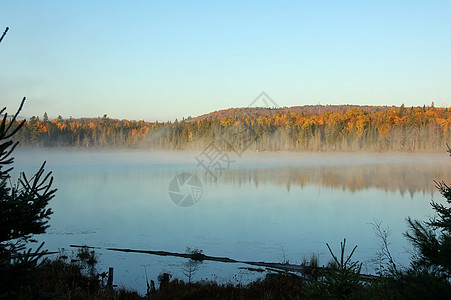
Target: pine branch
pixel 4 33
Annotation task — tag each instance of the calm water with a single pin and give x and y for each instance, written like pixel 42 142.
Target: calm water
pixel 264 207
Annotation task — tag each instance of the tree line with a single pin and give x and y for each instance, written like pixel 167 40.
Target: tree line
pixel 352 129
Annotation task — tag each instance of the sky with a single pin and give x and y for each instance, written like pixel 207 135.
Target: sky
pixel 162 60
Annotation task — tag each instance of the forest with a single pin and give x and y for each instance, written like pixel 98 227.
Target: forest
pixel 301 128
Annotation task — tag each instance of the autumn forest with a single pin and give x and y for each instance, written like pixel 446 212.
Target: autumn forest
pixel 302 128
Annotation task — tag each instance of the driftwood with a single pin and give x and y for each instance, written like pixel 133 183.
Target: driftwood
pixel 274 267
pixel 88 247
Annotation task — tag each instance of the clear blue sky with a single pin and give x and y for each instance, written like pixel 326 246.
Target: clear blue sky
pixel 161 60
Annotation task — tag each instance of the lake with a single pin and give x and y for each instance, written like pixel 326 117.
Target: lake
pixel 271 207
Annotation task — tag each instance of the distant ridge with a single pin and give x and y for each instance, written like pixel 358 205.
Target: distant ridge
pixel 309 110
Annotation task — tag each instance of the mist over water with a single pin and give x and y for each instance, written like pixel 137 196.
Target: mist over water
pixel 264 207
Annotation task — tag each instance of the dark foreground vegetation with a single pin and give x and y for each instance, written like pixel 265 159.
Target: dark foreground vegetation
pixel 76 278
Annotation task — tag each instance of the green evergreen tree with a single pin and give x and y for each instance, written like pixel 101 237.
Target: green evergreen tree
pixel 430 272
pixel 23 212
pixel 432 239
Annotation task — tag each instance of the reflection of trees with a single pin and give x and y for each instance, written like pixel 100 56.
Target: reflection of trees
pixel 405 178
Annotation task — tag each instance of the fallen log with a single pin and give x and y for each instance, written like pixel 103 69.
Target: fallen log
pixel 281 267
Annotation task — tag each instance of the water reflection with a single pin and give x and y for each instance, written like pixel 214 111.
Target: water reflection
pixel 404 178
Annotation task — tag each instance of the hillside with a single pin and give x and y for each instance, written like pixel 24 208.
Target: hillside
pixel 307 110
